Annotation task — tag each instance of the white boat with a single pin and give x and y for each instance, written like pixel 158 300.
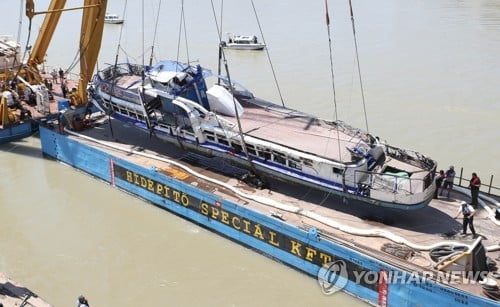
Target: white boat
pixel 113 18
pixel 173 102
pixel 243 42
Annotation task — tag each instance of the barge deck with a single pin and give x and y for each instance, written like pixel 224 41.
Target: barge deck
pixel 28 126
pixel 13 294
pixel 290 232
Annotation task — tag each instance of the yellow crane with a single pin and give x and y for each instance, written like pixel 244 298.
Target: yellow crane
pixel 90 41
pixel 90 44
pixel 7 117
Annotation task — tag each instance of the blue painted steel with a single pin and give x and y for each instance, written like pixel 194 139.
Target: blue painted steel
pixel 18 132
pixel 63 105
pixel 97 162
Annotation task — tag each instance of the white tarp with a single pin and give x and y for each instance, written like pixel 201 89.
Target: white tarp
pixel 221 101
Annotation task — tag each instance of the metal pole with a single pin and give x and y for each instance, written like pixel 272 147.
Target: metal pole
pixel 460 179
pixel 31 14
pixel 491 182
pixel 355 182
pixel 219 64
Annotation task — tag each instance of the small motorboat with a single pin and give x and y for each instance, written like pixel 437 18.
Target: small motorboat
pixel 112 18
pixel 243 42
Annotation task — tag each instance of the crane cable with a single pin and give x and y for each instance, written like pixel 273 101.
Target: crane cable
pixel 26 48
pixel 333 80
pixel 267 52
pixel 185 35
pixel 154 35
pixel 110 109
pixel 220 47
pixel 359 66
pixel 231 88
pixel 120 36
pixel 221 15
pixel 77 58
pixel 182 24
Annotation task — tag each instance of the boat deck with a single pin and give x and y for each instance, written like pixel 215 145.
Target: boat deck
pixel 296 130
pixel 435 223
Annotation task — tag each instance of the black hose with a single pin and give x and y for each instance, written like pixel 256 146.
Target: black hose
pixel 438 253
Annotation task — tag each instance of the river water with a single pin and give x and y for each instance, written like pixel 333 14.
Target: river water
pixel 430 76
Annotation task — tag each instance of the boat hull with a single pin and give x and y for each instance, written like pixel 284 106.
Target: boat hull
pixel 114 21
pixel 290 161
pixel 245 46
pixel 276 171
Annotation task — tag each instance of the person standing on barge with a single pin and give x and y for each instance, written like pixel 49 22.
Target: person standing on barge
pixel 468 213
pixel 61 74
pixel 474 185
pixel 448 180
pixel 439 181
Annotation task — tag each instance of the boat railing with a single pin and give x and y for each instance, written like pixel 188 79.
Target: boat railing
pixel 411 157
pixel 487 188
pixel 112 89
pixel 391 182
pixel 68 75
pixel 114 71
pixel 349 130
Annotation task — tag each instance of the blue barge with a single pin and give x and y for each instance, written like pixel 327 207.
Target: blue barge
pixel 18 131
pixel 285 238
pixel 24 129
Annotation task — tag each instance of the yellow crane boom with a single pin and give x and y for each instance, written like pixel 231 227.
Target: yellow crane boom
pixel 90 39
pixel 44 38
pixel 90 43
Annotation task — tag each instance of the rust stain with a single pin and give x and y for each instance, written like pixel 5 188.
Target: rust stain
pixel 175 173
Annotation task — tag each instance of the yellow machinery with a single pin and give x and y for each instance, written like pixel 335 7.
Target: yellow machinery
pixel 7 117
pixel 90 40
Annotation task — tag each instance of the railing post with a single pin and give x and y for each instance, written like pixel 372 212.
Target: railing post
pixel 460 178
pixel 491 182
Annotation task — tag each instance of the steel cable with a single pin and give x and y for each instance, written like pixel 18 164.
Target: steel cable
pixel 267 53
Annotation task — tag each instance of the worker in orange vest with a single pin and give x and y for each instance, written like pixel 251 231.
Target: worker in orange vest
pixel 474 185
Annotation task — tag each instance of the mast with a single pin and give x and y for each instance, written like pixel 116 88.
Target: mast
pixel 240 130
